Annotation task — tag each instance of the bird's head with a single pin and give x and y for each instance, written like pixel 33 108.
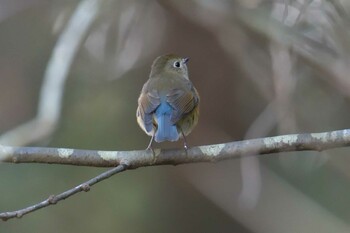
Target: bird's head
pixel 170 63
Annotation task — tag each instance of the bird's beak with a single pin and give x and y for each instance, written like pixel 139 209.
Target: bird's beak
pixel 186 59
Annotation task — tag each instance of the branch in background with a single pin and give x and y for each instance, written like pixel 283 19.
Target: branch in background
pixel 50 100
pixel 134 159
pixel 310 51
pixel 53 199
pixel 250 166
pixel 284 87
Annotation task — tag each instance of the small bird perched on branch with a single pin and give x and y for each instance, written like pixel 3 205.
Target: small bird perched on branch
pixel 168 106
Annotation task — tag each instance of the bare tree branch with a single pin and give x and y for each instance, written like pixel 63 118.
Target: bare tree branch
pixel 123 160
pixel 53 199
pixel 208 153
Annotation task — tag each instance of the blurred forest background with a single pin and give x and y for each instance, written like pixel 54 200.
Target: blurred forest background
pixel 262 67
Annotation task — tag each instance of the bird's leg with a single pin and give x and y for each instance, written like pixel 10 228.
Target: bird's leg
pixel 149 147
pixel 185 141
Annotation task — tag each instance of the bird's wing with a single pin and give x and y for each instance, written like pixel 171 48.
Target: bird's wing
pixel 147 104
pixel 182 101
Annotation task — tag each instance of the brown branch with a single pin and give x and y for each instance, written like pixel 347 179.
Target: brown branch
pixel 53 199
pixel 208 153
pixel 123 160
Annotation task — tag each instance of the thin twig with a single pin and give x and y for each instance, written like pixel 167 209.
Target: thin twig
pixel 53 199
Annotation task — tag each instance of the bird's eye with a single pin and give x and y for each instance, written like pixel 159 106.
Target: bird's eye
pixel 177 64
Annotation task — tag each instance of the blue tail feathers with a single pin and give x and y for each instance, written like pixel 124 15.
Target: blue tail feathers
pixel 166 130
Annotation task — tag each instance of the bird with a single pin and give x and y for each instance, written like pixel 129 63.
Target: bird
pixel 168 105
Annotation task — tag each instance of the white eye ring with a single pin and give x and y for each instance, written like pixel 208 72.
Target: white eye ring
pixel 177 64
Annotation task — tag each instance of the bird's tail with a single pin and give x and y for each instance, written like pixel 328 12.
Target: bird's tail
pixel 166 130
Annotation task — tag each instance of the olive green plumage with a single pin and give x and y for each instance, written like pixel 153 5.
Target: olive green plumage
pixel 168 106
